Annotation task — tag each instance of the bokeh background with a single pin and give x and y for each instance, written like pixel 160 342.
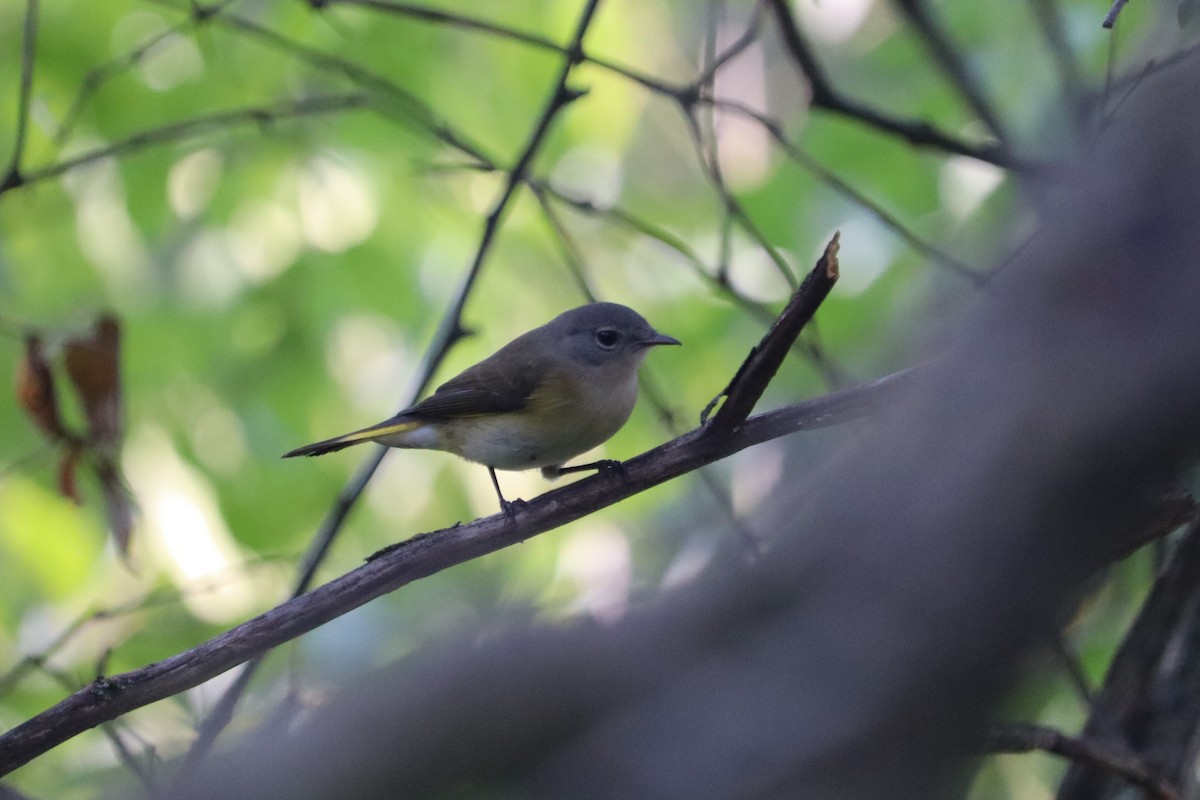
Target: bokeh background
pixel 280 202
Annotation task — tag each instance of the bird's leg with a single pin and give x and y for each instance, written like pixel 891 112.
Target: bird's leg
pixel 603 465
pixel 509 509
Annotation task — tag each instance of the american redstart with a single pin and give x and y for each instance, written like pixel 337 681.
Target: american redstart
pixel 545 397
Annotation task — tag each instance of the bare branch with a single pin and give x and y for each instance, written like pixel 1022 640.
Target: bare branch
pixel 13 176
pixel 205 123
pixel 1110 19
pixel 1072 665
pixel 157 599
pixel 917 132
pixel 438 16
pixel 829 178
pixel 1147 699
pixel 413 111
pixel 1055 35
pixel 99 75
pixel 951 63
pixel 401 103
pixel 732 207
pixel 645 227
pixel 759 368
pixel 1014 738
pixel 861 659
pixel 716 61
pixel 448 19
pixel 109 697
pixel 688 97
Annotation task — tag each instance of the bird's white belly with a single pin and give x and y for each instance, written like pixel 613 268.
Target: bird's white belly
pixel 542 437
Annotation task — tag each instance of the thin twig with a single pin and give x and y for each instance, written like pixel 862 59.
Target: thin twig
pixel 411 109
pixel 568 249
pixel 98 75
pixel 439 16
pixel 1110 68
pixel 157 599
pixel 916 132
pixel 707 138
pixel 759 368
pixel 708 145
pixel 1073 666
pixel 951 64
pixel 1015 738
pixel 1054 34
pixel 1149 680
pixel 687 97
pixel 732 207
pixel 715 487
pixel 189 128
pixel 448 19
pixel 716 61
pixel 416 558
pixel 1110 19
pixel 831 179
pixel 424 116
pixel 1173 508
pixel 111 731
pixel 676 244
pixel 13 176
pixel 683 95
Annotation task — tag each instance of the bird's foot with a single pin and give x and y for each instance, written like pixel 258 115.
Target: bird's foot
pixel 510 507
pixel 607 465
pixel 613 467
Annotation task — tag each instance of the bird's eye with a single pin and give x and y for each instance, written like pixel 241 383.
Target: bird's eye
pixel 607 337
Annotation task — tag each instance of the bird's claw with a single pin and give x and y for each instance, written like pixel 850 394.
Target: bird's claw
pixel 510 507
pixel 611 465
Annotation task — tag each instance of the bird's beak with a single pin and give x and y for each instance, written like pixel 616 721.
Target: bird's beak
pixel 659 338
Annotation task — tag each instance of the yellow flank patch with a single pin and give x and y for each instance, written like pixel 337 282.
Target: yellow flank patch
pixel 553 393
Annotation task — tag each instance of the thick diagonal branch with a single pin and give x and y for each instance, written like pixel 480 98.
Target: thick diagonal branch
pixel 416 558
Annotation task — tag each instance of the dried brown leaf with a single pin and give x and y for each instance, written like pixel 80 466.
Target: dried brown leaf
pixel 35 390
pixel 68 467
pixel 93 365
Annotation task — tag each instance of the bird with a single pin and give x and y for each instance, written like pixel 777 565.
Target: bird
pixel 545 397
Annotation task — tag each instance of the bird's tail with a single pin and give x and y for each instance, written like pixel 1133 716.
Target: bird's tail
pixel 389 428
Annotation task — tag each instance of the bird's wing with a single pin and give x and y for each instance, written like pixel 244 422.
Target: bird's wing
pixel 496 385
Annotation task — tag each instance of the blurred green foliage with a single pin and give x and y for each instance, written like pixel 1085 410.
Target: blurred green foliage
pixel 279 280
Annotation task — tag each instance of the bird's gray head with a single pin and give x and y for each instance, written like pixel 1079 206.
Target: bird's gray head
pixel 606 333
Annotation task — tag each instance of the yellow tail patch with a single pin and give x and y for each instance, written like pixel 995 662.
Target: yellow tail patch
pixel 390 427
